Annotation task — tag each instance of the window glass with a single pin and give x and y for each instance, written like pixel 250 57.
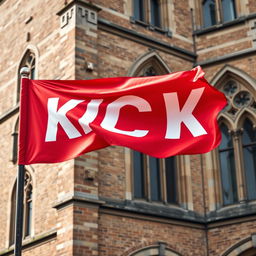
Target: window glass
pixel 227 165
pixel 170 173
pixel 209 13
pixel 28 209
pixel 155 13
pixel 139 10
pixel 154 179
pixel 228 10
pixel 249 151
pixel 138 172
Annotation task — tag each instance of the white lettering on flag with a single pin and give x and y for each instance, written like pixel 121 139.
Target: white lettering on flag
pixel 59 117
pixel 90 115
pixel 112 114
pixel 175 116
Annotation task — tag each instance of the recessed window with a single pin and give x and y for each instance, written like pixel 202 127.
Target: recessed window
pixel 27 208
pixel 209 13
pixel 237 151
pixel 227 167
pixel 249 156
pixel 228 10
pixel 154 179
pixel 148 12
pixel 218 11
pixel 139 10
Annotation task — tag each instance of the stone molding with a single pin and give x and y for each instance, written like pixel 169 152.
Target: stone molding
pixel 78 13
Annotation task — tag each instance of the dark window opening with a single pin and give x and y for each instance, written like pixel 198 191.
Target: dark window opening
pixel 139 10
pixel 209 14
pixel 228 10
pixel 227 165
pixel 155 13
pixel 249 154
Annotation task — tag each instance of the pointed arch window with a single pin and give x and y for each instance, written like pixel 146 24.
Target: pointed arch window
pixel 27 208
pixel 154 179
pixel 249 156
pixel 28 60
pixel 227 167
pixel 237 152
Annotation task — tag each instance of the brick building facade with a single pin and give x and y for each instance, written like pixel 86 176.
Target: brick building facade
pixel 114 201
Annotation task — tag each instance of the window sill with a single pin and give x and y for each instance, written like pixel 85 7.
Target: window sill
pixel 154 209
pixel 219 26
pixel 151 27
pixel 28 242
pixel 244 208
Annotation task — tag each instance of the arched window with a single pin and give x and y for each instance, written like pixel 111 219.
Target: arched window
pixel 29 61
pixel 249 156
pixel 209 13
pixel 27 208
pixel 236 157
pixel 227 167
pixel 154 179
pixel 228 10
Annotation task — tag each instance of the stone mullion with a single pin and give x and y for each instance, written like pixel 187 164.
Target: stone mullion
pixel 147 177
pixel 239 165
pixel 218 11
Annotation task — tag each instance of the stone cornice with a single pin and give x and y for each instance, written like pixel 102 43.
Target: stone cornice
pixel 70 200
pixel 83 3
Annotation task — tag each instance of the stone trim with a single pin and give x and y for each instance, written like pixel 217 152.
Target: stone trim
pixel 33 241
pixel 151 250
pixel 220 26
pixel 76 199
pixel 227 57
pixel 9 113
pixel 241 246
pixel 151 217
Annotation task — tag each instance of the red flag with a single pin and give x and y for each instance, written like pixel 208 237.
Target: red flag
pixel 160 116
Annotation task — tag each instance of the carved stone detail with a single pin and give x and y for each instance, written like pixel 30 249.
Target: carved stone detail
pixel 78 15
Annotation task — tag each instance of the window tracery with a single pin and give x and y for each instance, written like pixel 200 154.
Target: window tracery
pixel 29 61
pixel 237 151
pixel 153 179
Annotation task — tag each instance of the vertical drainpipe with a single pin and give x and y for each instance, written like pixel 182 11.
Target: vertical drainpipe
pixel 201 156
pixel 193 35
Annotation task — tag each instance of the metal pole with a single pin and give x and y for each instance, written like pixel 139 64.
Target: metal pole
pixel 19 210
pixel 20 193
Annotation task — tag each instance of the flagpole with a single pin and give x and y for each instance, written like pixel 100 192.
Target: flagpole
pixel 24 72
